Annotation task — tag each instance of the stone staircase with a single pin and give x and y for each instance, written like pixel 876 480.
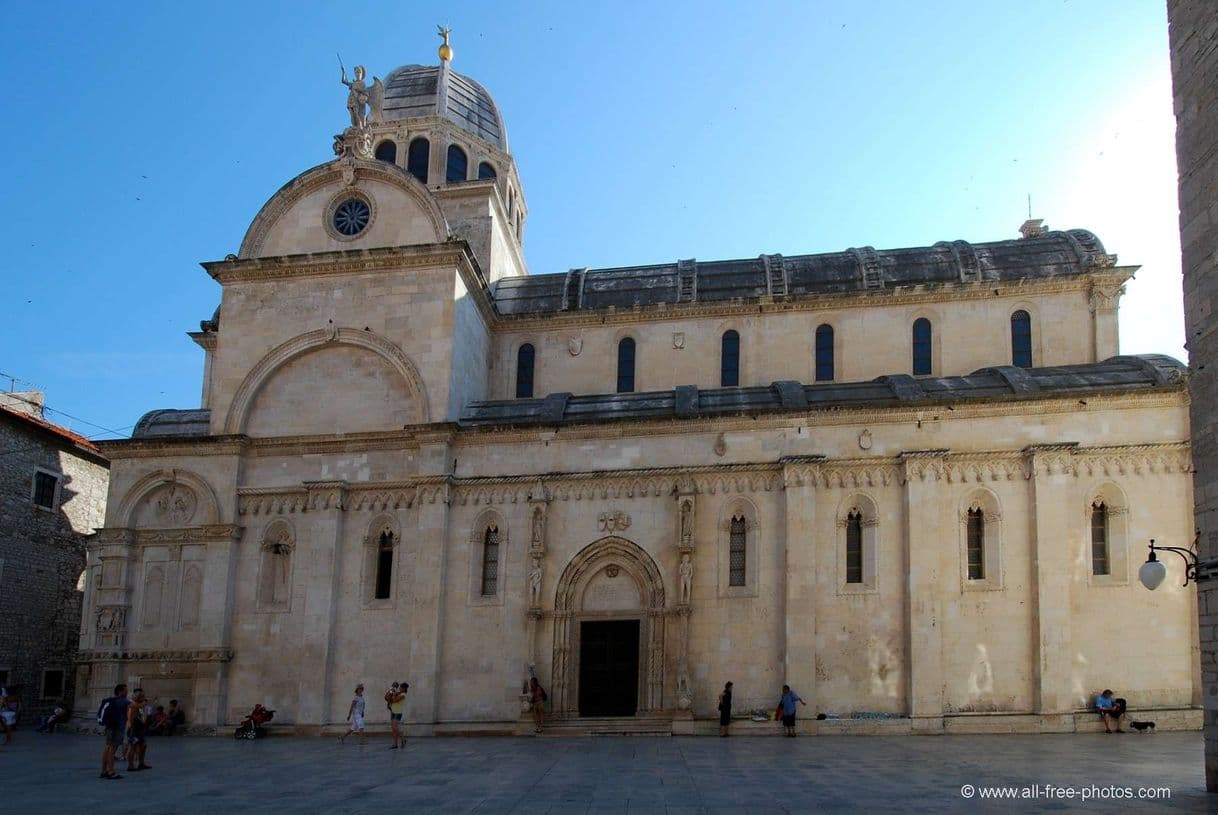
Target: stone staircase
pixel 584 727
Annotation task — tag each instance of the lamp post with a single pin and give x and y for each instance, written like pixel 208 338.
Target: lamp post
pixel 1196 570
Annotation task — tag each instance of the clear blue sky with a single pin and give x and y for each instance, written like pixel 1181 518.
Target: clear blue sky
pixel 142 138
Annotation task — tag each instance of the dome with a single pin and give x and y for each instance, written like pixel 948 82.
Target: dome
pixel 415 90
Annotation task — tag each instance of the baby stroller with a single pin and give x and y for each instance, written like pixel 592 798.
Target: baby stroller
pixel 252 725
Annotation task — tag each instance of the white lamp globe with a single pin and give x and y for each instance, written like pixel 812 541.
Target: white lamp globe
pixel 1152 573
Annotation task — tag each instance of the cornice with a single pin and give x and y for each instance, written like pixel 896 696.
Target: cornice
pixel 155 655
pixel 434 256
pixel 231 445
pixel 921 294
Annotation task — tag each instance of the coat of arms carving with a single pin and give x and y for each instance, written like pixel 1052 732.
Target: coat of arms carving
pixel 613 521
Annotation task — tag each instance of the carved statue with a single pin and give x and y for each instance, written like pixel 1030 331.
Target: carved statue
pixel 687 521
pixel 361 98
pixel 535 583
pixel 539 528
pixel 685 696
pixel 687 578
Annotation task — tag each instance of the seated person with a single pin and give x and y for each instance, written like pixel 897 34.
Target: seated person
pixel 158 722
pixel 1110 710
pixel 46 724
pixel 177 716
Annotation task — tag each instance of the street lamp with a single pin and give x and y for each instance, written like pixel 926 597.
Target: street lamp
pixel 1153 571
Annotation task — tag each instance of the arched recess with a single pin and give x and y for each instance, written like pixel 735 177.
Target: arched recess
pixel 277 553
pixel 986 502
pixel 206 509
pixel 857 515
pixel 382 561
pixel 347 172
pixel 493 522
pixel 738 515
pixel 1116 514
pixel 605 562
pixel 238 411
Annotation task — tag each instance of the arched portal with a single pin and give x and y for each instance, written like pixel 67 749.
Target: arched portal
pixel 610 595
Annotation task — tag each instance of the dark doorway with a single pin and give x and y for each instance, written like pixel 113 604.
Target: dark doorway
pixel 609 668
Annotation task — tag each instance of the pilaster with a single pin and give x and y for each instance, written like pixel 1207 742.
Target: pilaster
pixel 799 479
pixel 323 566
pixel 929 577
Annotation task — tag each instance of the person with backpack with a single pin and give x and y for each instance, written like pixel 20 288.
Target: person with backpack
pixel 112 715
pixel 537 699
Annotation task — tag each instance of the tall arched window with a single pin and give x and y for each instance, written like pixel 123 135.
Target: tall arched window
pixel 524 371
pixel 485 171
pixel 921 347
pixel 1021 339
pixel 458 164
pixel 418 156
pixel 384 566
pixel 1099 538
pixel 729 369
pixel 387 151
pixel 824 353
pixel 625 366
pixel 854 547
pixel 737 552
pixel 490 561
pixel 976 544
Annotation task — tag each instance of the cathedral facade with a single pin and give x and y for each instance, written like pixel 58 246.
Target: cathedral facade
pixel 914 484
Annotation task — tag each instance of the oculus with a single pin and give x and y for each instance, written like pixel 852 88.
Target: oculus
pixel 351 217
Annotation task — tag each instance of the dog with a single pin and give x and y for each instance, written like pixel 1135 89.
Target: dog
pixel 1142 727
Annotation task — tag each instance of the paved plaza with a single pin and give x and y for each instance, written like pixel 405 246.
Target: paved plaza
pixel 53 774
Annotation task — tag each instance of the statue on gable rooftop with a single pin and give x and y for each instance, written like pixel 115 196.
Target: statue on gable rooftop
pixel 363 103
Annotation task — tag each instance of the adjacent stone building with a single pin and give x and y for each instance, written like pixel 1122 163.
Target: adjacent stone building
pixel 52 496
pixel 1193 27
pixel 913 483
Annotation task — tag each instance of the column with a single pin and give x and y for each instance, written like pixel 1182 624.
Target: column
pixel 1050 473
pixel 925 540
pixel 323 567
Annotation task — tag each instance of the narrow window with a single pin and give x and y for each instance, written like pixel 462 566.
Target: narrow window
pixel 824 353
pixel 387 151
pixel 458 165
pixel 921 347
pixel 417 158
pixel 729 371
pixel 490 562
pixel 737 553
pixel 44 490
pixel 976 544
pixel 486 171
pixel 1099 538
pixel 524 371
pixel 625 366
pixel 511 204
pixel 854 547
pixel 52 684
pixel 384 566
pixel 1021 339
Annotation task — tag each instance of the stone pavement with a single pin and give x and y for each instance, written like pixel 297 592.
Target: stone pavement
pixel 53 774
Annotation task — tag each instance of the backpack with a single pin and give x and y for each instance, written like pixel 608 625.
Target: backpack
pixel 109 714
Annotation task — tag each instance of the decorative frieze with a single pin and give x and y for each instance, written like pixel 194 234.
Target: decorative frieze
pixel 156 655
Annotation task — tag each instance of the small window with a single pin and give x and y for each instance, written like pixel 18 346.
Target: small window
pixel 387 151
pixel 384 566
pixel 854 547
pixel 921 347
pixel 729 371
pixel 511 204
pixel 1021 339
pixel 52 684
pixel 418 156
pixel 737 552
pixel 524 371
pixel 1099 539
pixel 486 171
pixel 625 366
pixel 458 164
pixel 490 562
pixel 824 353
pixel 44 490
pixel 976 544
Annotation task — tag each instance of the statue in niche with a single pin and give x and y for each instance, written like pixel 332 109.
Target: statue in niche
pixel 535 584
pixel 685 696
pixel 539 528
pixel 687 578
pixel 687 521
pixel 361 98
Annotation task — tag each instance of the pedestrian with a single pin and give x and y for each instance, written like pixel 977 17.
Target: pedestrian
pixel 355 715
pixel 1111 710
pixel 396 700
pixel 787 703
pixel 137 732
pixel 112 715
pixel 9 707
pixel 537 699
pixel 725 709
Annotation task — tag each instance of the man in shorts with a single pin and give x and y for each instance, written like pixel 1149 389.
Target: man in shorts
pixel 137 732
pixel 355 715
pixel 113 717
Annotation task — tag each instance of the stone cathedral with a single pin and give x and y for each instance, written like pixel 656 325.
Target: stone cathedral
pixel 914 484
